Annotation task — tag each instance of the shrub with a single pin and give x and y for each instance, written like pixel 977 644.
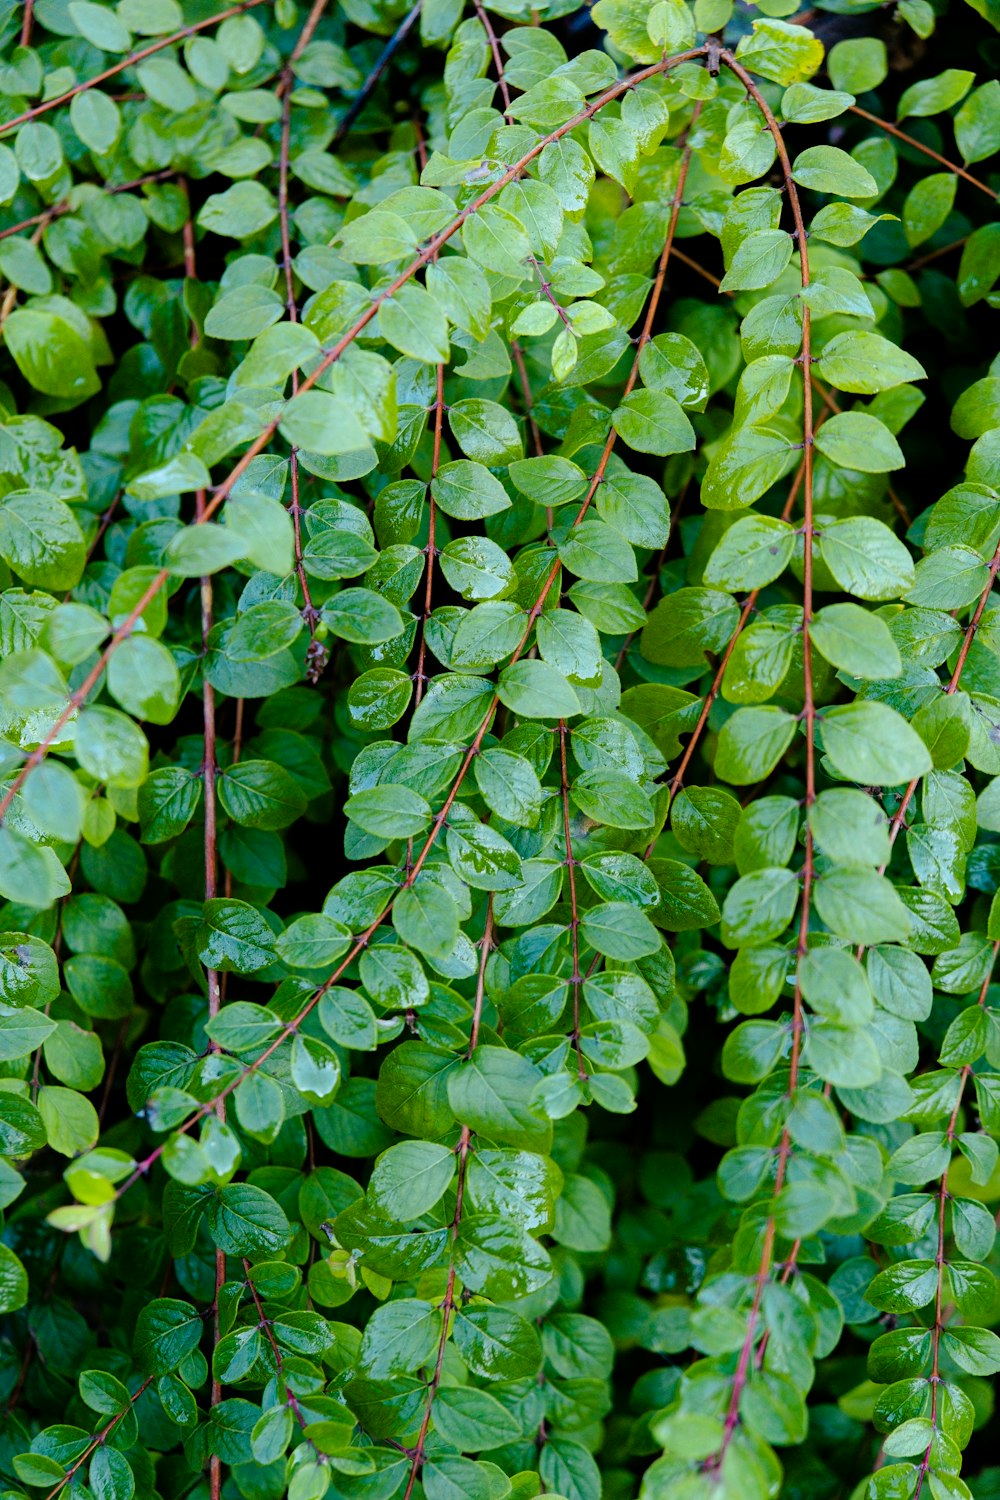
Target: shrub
pixel 500 706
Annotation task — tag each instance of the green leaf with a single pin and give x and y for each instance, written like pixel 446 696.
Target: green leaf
pixel 653 422
pixel 855 440
pixel 389 811
pixel 535 690
pixel 870 743
pixel 245 1220
pixel 410 1178
pixel 866 362
pixel 493 1093
pixel 40 540
pixel 52 354
pixel 856 641
pixel 827 169
pixel 753 552
pixel 930 96
pixel 233 937
pixel 751 743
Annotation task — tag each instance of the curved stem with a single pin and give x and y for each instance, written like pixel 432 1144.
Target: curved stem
pixel 910 140
pixel 371 82
pixel 431 548
pixel 64 206
pixel 265 1324
pixel 809 715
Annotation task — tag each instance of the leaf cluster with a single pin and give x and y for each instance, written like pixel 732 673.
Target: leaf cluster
pixel 499 749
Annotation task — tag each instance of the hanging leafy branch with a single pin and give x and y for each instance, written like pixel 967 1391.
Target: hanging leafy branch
pixel 499 518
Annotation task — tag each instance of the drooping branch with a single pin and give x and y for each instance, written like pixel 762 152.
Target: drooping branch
pixel 316 654
pixel 993 567
pixel 494 46
pixel 209 771
pixel 257 446
pixel 265 1325
pixel 943 1196
pixel 462 1151
pixel 744 1360
pixel 911 140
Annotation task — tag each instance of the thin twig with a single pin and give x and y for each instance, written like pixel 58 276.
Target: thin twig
pixel 494 46
pixel 940 1320
pixel 265 1324
pixel 209 771
pixel 462 1151
pixel 956 677
pixel 910 140
pixel 64 206
pixel 809 715
pixel 576 978
pixel 98 1439
pixel 128 62
pixel 317 654
pixel 430 551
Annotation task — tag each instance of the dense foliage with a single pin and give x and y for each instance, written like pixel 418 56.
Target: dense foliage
pixel 500 713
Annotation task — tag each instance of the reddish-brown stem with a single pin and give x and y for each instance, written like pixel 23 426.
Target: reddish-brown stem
pixel 265 1324
pixel 956 676
pixel 546 290
pixel 64 206
pixel 809 715
pixel 128 62
pixel 462 1151
pixel 112 1069
pixel 209 769
pixel 696 265
pixel 713 692
pixel 494 46
pixel 304 38
pixel 940 1319
pixel 517 354
pixel 236 752
pixel 103 525
pixel 259 443
pixel 576 979
pixel 485 947
pixel 98 1439
pixel 925 260
pixel 645 335
pixel 910 140
pixel 26 20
